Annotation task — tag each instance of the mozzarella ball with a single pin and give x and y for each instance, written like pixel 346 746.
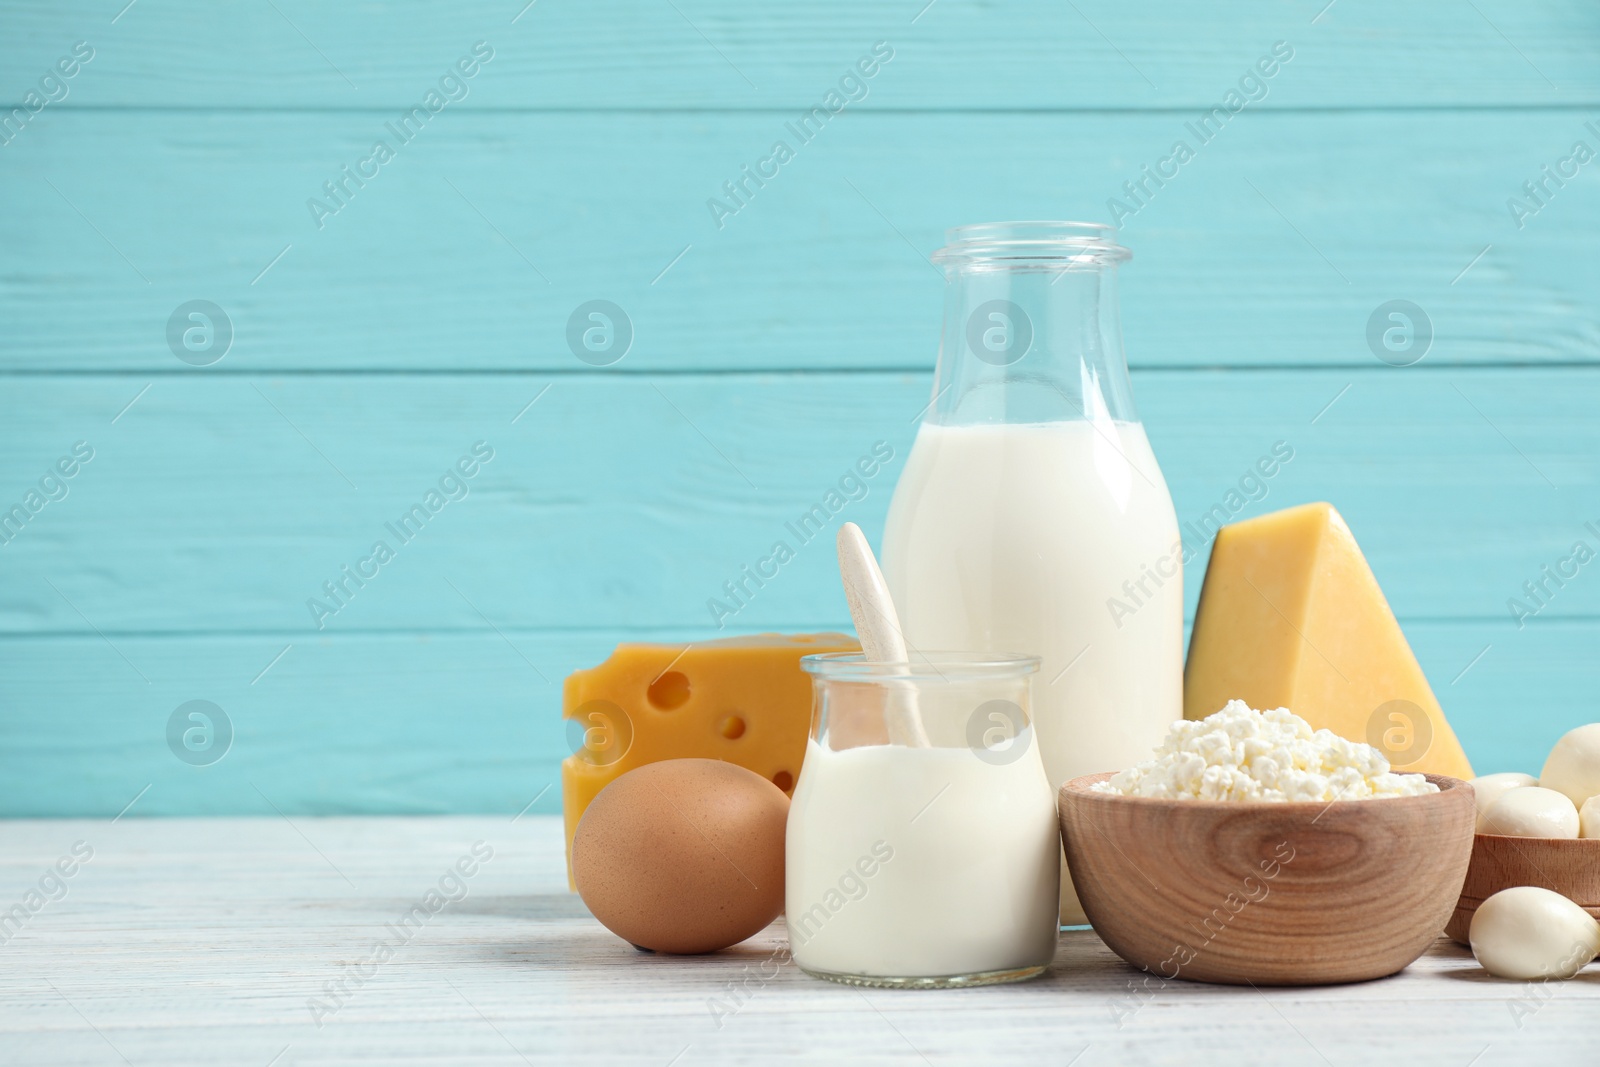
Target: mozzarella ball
pixel 1529 933
pixel 1531 811
pixel 1488 788
pixel 1574 764
pixel 1589 818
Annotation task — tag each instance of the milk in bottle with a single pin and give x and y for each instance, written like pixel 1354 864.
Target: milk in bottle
pixel 1031 516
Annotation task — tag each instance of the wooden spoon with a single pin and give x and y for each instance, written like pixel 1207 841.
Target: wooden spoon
pixel 878 627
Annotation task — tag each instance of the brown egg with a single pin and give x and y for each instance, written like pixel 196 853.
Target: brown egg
pixel 683 855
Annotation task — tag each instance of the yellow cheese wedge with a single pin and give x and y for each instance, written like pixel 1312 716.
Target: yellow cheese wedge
pixel 1291 616
pixel 741 699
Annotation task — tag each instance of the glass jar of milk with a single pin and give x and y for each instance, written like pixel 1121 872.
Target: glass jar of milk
pixel 922 838
pixel 1031 514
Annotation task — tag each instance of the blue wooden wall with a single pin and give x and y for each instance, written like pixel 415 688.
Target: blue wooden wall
pixel 372 346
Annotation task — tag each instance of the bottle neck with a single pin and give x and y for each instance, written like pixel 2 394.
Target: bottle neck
pixel 1030 342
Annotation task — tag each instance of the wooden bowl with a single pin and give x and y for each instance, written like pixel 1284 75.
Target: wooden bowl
pixel 1268 893
pixel 1570 867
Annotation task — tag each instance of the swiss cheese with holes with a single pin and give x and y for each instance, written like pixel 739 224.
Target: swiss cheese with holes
pixel 741 699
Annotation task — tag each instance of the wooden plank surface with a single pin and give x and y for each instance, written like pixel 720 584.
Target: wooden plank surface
pixel 474 246
pixel 630 502
pixel 194 941
pixel 441 722
pixel 180 563
pixel 768 354
pixel 718 54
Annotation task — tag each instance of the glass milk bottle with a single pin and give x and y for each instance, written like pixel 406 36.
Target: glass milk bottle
pixel 1031 515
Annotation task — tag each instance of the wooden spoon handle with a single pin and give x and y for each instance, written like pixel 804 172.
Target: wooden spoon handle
pixel 877 624
pixel 878 627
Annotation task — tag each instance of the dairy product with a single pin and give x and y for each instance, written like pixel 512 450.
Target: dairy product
pixel 1531 933
pixel 1531 812
pixel 743 700
pixel 921 862
pixel 1243 754
pixel 1488 788
pixel 1057 540
pixel 1291 616
pixel 1573 766
pixel 1589 818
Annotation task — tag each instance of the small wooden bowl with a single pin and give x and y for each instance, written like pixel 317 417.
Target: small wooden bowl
pixel 1268 893
pixel 1570 867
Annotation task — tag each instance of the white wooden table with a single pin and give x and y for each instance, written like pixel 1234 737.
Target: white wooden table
pixel 213 941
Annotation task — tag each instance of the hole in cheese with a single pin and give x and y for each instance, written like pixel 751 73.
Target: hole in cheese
pixel 732 727
pixel 669 691
pixel 783 780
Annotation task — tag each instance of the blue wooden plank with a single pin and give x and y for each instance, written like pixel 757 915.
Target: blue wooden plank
pixel 477 243
pixel 177 163
pixel 452 722
pixel 227 503
pixel 720 54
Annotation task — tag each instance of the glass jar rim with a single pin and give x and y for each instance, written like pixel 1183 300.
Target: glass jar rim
pixel 946 667
pixel 1032 244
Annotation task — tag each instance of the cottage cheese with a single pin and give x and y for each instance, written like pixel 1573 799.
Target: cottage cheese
pixel 1243 754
